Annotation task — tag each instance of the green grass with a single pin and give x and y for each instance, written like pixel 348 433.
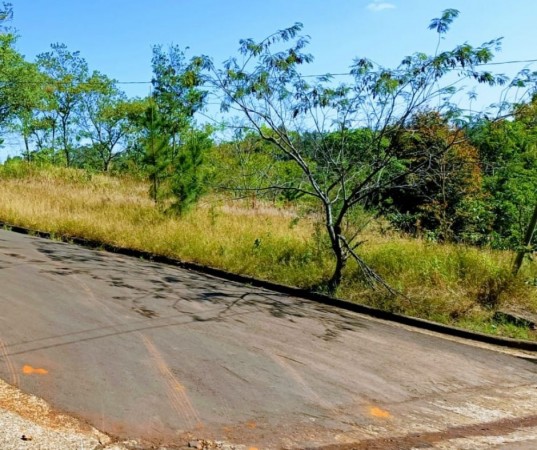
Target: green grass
pixel 451 284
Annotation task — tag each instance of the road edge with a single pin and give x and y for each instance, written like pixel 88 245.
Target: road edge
pixel 283 289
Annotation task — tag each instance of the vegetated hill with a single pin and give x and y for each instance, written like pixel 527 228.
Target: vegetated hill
pixel 449 283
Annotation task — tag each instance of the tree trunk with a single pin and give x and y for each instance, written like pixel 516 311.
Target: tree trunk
pixel 341 260
pixel 27 148
pixel 53 143
pixel 154 192
pixel 66 149
pixel 337 276
pixel 527 242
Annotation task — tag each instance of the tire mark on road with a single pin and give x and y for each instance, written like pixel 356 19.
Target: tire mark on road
pixel 124 329
pixel 14 375
pixel 235 374
pixel 293 373
pixel 177 395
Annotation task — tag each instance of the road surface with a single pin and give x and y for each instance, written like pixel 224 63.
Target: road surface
pixel 154 353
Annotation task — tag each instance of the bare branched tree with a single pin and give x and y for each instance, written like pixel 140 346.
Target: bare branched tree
pixel 345 138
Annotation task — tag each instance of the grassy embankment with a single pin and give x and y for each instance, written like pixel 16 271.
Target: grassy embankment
pixel 452 284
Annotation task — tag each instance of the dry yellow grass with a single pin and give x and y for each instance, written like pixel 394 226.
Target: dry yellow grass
pixel 118 211
pixel 448 283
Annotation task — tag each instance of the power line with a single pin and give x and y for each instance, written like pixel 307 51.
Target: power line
pixel 335 74
pixel 515 61
pixel 498 63
pixel 52 82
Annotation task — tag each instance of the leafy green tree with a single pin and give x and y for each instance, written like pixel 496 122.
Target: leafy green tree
pixel 442 201
pixel 157 152
pixel 508 155
pixel 173 150
pixel 104 119
pixel 176 92
pixel 188 179
pixel 33 121
pixel 67 74
pixel 249 167
pixel 178 177
pixel 19 79
pixel 265 85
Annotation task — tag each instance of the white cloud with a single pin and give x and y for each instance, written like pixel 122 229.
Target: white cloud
pixel 379 5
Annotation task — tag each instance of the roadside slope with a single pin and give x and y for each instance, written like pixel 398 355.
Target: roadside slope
pixel 152 352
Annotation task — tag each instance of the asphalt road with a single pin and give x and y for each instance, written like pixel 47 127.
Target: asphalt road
pixel 155 353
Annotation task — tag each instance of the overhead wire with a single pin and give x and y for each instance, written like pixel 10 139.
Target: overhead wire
pixel 330 74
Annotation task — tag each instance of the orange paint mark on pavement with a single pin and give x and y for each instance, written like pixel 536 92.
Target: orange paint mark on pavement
pixel 379 413
pixel 29 370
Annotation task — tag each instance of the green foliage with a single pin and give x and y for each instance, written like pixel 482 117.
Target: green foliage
pixel 176 87
pixel 309 122
pixel 104 121
pixel 67 75
pixel 392 139
pixel 156 150
pixel 176 167
pixel 19 89
pixel 249 166
pixel 441 24
pixel 442 201
pixel 508 154
pixel 188 179
pixel 164 144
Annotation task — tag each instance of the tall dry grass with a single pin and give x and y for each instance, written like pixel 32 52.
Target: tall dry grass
pixel 448 283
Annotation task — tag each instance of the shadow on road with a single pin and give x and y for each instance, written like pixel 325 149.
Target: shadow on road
pixel 164 296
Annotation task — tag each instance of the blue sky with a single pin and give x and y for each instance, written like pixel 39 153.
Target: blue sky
pixel 116 36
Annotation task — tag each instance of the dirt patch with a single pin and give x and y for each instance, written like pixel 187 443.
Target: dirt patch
pixel 427 440
pixel 37 410
pixel 27 422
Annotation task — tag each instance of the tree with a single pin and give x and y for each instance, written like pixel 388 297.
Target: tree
pixel 173 149
pixel 177 176
pixel 104 118
pixel 155 148
pixel 19 79
pixel 176 92
pixel 188 179
pixel 438 202
pixel 67 74
pixel 249 167
pixel 508 156
pixel 33 121
pixel 280 104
